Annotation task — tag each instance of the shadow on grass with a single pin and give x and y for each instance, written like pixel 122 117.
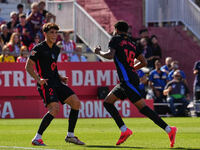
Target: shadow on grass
pixel 183 148
pixel 109 146
pixel 131 147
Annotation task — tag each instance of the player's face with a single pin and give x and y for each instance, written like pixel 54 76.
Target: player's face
pixel 51 35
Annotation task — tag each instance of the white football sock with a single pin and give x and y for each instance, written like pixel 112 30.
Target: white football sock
pixel 38 136
pixel 123 128
pixel 70 134
pixel 168 129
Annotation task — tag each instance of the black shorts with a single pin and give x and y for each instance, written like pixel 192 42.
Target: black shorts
pixel 51 93
pixel 128 90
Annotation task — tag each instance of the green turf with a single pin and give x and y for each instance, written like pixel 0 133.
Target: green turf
pixel 101 134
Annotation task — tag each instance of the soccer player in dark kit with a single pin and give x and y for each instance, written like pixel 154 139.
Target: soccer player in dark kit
pixel 51 85
pixel 123 51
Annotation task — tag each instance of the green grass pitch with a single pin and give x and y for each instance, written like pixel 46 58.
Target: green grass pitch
pixel 100 134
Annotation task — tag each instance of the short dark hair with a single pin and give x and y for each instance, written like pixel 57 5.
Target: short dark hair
pixel 48 26
pixel 22 15
pixel 143 30
pixel 20 6
pixel 121 26
pixel 41 2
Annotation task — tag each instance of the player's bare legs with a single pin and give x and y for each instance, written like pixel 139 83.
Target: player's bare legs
pixel 73 101
pixel 111 98
pixel 109 105
pixel 148 112
pixel 53 109
pixel 75 104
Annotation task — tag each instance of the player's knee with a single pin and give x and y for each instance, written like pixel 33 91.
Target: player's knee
pixel 140 104
pixel 109 100
pixel 106 99
pixel 54 110
pixel 77 105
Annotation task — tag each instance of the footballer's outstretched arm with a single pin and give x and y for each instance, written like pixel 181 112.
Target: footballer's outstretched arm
pixel 142 62
pixel 108 55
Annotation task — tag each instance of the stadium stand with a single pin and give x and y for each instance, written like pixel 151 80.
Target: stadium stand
pixel 169 37
pixel 172 39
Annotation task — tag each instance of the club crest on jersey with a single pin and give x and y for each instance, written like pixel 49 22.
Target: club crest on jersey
pixel 33 53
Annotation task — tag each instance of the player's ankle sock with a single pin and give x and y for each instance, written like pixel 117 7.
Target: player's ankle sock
pixel 37 136
pixel 123 128
pixel 114 113
pixel 168 129
pixel 45 123
pixel 73 116
pixel 153 116
pixel 70 134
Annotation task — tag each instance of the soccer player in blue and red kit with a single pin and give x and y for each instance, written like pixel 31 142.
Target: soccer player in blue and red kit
pixel 51 85
pixel 123 50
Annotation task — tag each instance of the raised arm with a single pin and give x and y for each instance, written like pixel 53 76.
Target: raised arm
pixel 29 16
pixel 108 55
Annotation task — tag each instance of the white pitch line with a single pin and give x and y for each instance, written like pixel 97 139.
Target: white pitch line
pixel 15 147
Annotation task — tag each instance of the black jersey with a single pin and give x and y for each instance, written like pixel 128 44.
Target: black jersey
pixel 45 59
pixel 125 54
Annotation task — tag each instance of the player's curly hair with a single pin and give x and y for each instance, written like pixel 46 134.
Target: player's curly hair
pixel 122 26
pixel 48 26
